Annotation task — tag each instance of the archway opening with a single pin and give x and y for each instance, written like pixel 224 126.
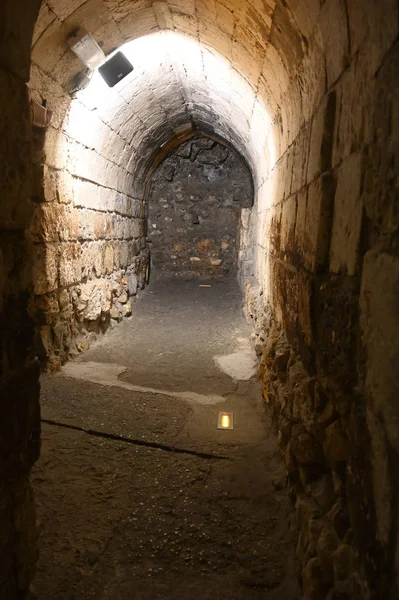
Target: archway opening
pixel 195 201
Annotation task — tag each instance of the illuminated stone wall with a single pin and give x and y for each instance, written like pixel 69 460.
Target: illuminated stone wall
pixel 87 229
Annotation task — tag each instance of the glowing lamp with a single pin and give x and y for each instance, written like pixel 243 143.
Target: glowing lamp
pixel 115 69
pixel 225 420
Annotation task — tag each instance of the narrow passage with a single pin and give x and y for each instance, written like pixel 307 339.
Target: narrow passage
pixel 124 516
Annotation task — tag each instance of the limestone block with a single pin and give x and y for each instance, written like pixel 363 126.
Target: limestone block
pixel 335 39
pixel 108 260
pixel 49 185
pixel 326 546
pixel 272 233
pixel 313 225
pixel 381 156
pixel 127 251
pixel 138 23
pixel 92 259
pixel 279 77
pixel 344 562
pixel 45 268
pixel 45 18
pixel 127 309
pixel 122 204
pixel 54 36
pixel 53 222
pixel 48 308
pixel 137 228
pixel 292 113
pixel 137 208
pixel 347 220
pixel 322 491
pixel 117 255
pixel 321 137
pixel 70 265
pixel 354 123
pixel 120 227
pixel 379 312
pixel 93 131
pixel 300 163
pixel 57 149
pixel 336 447
pixel 374 24
pixel 115 312
pixel 381 475
pixel 305 447
pixel 303 402
pixel 89 195
pixel 87 225
pixel 286 38
pixel 43 86
pixel 287 226
pixel 63 299
pixel 62 337
pixel 98 294
pixel 306 14
pixel 112 146
pixel 304 308
pixel 133 284
pixel 312 579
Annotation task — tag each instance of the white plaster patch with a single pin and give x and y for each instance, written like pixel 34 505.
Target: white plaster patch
pixel 108 373
pixel 241 366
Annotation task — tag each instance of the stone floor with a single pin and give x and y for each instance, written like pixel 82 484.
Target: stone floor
pixel 139 494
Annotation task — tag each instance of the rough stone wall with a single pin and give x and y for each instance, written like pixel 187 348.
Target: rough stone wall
pixel 309 93
pixel 87 229
pixel 324 303
pixel 19 372
pixel 194 204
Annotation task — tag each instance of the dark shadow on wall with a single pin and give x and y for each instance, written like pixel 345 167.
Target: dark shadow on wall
pixel 194 201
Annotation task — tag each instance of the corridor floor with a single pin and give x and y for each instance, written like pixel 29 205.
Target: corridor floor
pixel 141 496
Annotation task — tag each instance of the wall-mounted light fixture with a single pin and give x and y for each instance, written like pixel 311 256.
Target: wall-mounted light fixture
pixel 226 420
pixel 86 48
pixel 115 69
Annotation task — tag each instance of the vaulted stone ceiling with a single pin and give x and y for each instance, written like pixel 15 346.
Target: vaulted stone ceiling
pixel 250 71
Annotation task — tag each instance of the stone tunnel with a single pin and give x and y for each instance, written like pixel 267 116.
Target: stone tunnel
pixel 256 139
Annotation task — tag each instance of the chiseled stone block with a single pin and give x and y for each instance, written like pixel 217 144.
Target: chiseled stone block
pixel 347 220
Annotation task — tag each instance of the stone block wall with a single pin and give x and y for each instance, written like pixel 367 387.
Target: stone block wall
pixel 322 291
pixel 194 203
pixel 19 371
pixel 87 230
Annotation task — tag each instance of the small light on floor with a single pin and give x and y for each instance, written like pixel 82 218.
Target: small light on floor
pixel 225 420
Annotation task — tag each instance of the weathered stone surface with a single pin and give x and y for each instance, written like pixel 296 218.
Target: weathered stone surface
pixel 336 445
pixel 280 58
pixel 348 212
pixel 322 491
pixel 305 446
pixel 326 546
pixel 313 229
pixel 194 203
pixel 45 266
pixel 313 586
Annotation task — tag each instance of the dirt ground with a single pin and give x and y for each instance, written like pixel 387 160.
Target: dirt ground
pixel 152 501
